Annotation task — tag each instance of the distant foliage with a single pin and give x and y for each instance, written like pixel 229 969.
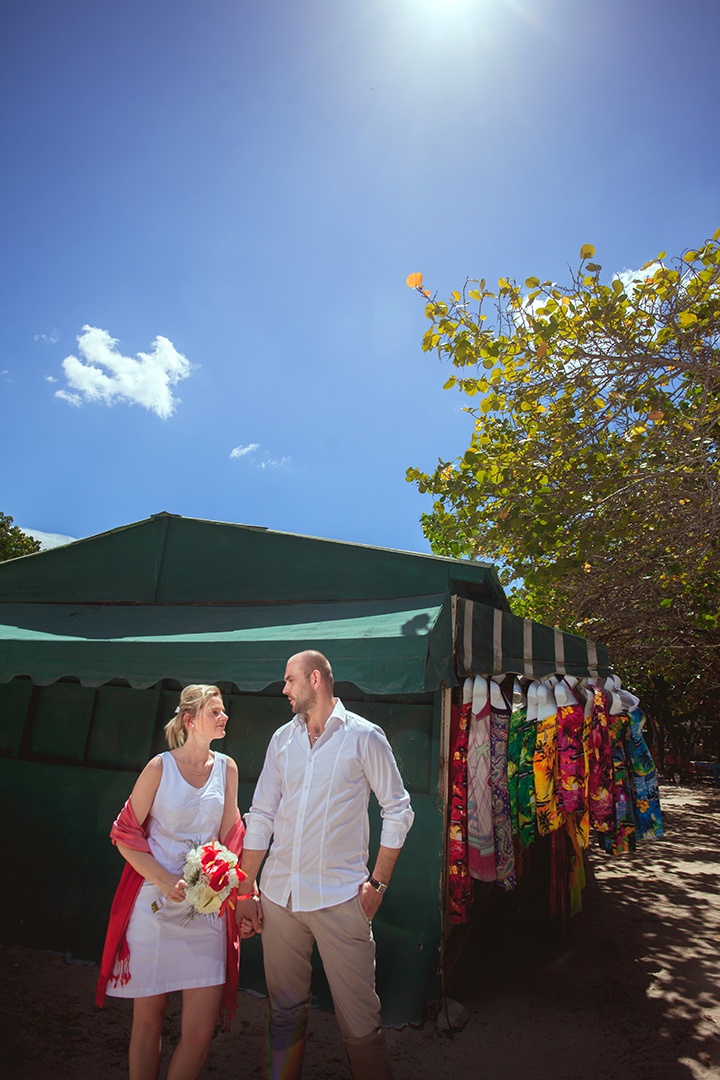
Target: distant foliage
pixel 592 471
pixel 14 541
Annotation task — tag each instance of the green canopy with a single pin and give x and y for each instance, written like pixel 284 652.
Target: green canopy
pixel 398 646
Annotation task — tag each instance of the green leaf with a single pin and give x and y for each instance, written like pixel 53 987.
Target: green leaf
pixel 587 251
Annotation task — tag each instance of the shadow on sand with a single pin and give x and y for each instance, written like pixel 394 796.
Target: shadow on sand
pixel 632 989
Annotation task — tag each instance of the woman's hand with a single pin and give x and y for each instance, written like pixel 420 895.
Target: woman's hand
pixel 173 889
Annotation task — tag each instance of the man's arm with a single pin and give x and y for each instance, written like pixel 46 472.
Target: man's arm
pixel 385 780
pixel 259 827
pixel 370 897
pixel 250 909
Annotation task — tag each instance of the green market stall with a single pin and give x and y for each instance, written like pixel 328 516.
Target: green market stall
pixel 97 638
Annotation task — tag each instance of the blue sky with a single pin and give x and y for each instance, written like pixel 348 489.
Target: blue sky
pixel 209 210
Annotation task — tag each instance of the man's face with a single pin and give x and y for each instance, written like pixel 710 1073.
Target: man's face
pixel 298 688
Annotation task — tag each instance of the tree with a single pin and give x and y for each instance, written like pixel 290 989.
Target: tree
pixel 592 470
pixel 14 541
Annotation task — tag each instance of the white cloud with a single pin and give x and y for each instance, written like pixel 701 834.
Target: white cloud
pixel 271 463
pixel 243 451
pixel 144 380
pixel 50 378
pixel 48 540
pixel 72 399
pixel 49 339
pixel 261 461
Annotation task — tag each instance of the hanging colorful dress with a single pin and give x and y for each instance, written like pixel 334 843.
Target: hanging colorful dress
pixel 502 830
pixel 459 883
pixel 622 838
pixel 586 694
pixel 481 845
pixel 570 754
pixel 517 712
pixel 526 810
pixel 644 786
pixel 545 765
pixel 600 774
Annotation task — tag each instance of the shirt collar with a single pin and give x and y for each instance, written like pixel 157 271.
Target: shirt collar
pixel 339 713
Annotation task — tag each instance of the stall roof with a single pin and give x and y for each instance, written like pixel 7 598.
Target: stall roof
pixel 176 560
pixel 399 646
pixel 204 601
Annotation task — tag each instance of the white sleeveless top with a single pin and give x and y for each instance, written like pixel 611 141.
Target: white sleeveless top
pixel 182 815
pixel 168 951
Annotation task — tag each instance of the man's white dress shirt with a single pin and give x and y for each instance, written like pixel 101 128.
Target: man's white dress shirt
pixel 313 803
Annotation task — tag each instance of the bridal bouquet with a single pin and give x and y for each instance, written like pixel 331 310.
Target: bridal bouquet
pixel 212 875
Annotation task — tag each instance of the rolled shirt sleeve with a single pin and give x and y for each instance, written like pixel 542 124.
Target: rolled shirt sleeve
pixel 387 785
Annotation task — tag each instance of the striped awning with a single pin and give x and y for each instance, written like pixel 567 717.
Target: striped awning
pixel 489 641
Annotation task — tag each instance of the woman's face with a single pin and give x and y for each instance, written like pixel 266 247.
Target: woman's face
pixel 211 720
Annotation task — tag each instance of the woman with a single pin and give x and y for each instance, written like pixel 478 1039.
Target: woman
pixel 183 797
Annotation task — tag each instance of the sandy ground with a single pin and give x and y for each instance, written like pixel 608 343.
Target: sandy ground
pixel 632 992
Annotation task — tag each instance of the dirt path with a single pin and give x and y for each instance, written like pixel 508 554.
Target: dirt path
pixel 633 993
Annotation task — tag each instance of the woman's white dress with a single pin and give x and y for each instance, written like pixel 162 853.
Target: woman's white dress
pixel 169 950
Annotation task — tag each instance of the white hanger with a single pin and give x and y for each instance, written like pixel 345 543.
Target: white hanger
pixel 479 694
pixel 497 700
pixel 546 703
pixel 563 696
pixel 532 700
pixel 519 698
pixel 629 700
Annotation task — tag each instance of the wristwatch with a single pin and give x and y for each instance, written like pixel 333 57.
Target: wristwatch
pixel 379 885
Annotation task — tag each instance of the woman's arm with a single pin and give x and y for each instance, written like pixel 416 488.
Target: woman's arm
pixel 141 800
pixel 230 811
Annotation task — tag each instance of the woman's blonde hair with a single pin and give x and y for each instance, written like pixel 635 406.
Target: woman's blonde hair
pixel 192 700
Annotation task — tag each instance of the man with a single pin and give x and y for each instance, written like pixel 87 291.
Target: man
pixel 312 799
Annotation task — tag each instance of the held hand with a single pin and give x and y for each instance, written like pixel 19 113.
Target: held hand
pixel 249 911
pixel 247 930
pixel 370 900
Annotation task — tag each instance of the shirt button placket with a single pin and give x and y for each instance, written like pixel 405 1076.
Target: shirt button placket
pixel 302 810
